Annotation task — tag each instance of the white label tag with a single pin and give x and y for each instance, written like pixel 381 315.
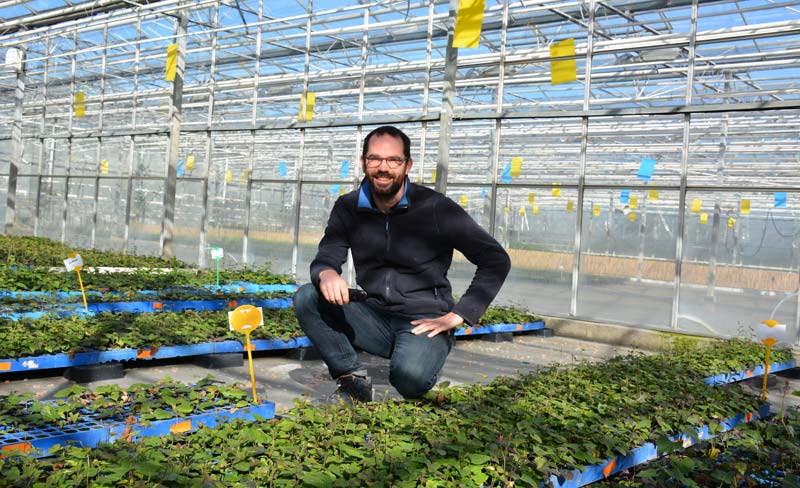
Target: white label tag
pixel 72 263
pixel 216 253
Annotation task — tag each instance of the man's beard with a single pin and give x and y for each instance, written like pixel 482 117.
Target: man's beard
pixel 389 192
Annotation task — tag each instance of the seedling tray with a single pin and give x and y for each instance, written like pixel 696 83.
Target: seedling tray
pixel 643 454
pixel 237 287
pixel 91 431
pixel 735 376
pixel 65 360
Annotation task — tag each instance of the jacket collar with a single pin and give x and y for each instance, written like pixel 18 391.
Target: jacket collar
pixel 365 197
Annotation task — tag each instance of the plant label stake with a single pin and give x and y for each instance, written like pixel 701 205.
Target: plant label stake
pixel 770 332
pixel 74 262
pixel 246 319
pixel 216 254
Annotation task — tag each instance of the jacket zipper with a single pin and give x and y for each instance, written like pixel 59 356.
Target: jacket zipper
pixel 388 274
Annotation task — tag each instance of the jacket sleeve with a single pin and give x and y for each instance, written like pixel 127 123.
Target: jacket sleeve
pixel 482 250
pixel 332 251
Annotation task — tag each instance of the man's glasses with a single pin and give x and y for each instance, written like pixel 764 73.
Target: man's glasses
pixel 393 162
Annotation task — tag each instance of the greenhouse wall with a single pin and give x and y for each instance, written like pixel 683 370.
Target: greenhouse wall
pixel 650 176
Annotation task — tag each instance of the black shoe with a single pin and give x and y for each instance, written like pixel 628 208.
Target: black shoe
pixel 355 387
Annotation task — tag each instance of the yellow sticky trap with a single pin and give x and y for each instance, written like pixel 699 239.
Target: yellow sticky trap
pixel 104 166
pixel 190 163
pixel 563 71
pixel 507 209
pixel 522 212
pixel 731 222
pixel 556 191
pixel 172 62
pixel 633 202
pixel 697 204
pixel 632 216
pixel 302 112
pixel 704 218
pixel 535 210
pixel 516 167
pixel 342 190
pixel 464 200
pixel 433 176
pixel 245 176
pixel 652 194
pixel 79 105
pixel 744 207
pixel 596 210
pixel 311 99
pixel 531 198
pixel 469 21
pixel 228 176
pixel 570 206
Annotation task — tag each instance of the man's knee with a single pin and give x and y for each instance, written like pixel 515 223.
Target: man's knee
pixel 305 297
pixel 411 381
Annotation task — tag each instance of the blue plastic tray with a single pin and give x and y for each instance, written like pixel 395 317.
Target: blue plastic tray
pixel 92 431
pixel 495 328
pixel 748 373
pixel 643 454
pixel 236 287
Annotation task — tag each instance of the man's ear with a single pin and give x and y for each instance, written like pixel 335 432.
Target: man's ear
pixel 409 164
pixel 363 165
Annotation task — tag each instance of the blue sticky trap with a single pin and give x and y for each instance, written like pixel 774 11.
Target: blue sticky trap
pixel 483 192
pixel 625 196
pixel 180 167
pixel 506 176
pixel 282 170
pixel 335 190
pixel 780 199
pixel 646 169
pixel 344 170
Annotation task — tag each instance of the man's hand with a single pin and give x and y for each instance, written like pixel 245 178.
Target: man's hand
pixel 333 287
pixel 438 325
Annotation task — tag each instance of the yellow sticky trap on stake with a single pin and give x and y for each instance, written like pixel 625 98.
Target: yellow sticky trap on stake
pixel 172 62
pixel 104 166
pixel 433 176
pixel 652 194
pixel 311 99
pixel 507 209
pixel 563 71
pixel 731 222
pixel 556 191
pixel 228 176
pixel 570 206
pixel 74 262
pixel 516 167
pixel 770 332
pixel 469 21
pixel 632 217
pixel 704 218
pixel 342 190
pixel 633 201
pixel 744 207
pixel 522 211
pixel 245 319
pixel 596 210
pixel 464 200
pixel 531 198
pixel 535 210
pixel 190 163
pixel 697 204
pixel 80 104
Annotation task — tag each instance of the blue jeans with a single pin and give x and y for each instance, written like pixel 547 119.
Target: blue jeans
pixel 416 360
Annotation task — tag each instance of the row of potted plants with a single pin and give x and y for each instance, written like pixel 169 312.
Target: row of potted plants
pixel 512 432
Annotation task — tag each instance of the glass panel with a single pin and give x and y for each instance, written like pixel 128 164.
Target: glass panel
pixel 728 149
pixel 739 265
pixel 540 240
pixel 316 204
pixel 112 202
pixel 114 150
pixel 471 143
pixel 25 209
pixel 628 257
pixel 3 195
pixel 80 208
pixel 549 148
pixel 227 187
pixel 325 152
pixel 272 227
pixel 276 154
pixel 51 207
pixel 188 217
pixel 147 213
pixel 83 160
pixel 618 148
pixel 150 156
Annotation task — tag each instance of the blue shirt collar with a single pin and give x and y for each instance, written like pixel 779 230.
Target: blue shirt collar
pixel 365 196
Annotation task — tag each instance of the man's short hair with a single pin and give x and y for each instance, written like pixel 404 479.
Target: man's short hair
pixel 388 130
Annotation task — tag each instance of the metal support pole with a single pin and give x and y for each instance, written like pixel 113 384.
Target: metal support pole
pixel 98 159
pixel 17 148
pixel 448 100
pixel 170 187
pixel 250 164
pixel 300 157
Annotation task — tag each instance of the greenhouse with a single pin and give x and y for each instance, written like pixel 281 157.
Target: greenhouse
pixel 174 175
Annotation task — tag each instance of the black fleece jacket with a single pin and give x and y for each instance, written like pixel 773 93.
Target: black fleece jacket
pixel 402 257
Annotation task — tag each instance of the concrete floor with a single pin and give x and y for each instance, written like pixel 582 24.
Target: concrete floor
pixel 281 379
